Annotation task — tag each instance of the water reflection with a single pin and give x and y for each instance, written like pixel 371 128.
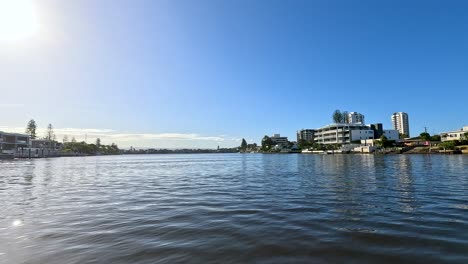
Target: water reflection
pixel 17 223
pixel 405 186
pixel 234 209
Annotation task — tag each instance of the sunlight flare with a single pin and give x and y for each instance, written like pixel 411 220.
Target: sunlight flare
pixel 18 20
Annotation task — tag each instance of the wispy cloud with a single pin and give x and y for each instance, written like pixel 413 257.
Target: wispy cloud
pixel 139 139
pixel 165 136
pixel 63 131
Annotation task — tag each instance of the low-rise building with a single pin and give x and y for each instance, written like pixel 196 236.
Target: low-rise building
pixel 461 134
pixel 252 147
pixel 368 142
pixel 364 149
pixel 11 142
pixel 391 134
pixel 41 143
pixel 277 139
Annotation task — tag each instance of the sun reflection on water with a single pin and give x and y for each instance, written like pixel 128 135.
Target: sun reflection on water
pixel 17 222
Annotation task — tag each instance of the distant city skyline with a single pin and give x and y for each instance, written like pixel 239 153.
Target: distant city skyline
pixel 173 74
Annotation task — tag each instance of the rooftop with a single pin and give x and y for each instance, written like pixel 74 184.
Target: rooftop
pixel 13 134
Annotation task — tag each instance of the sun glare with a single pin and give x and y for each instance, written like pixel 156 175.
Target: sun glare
pixel 18 20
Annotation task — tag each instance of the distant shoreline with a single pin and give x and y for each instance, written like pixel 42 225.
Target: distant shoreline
pixel 266 153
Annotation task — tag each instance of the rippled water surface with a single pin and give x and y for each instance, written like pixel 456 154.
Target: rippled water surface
pixel 235 208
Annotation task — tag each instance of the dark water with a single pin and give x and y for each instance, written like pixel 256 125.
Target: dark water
pixel 235 209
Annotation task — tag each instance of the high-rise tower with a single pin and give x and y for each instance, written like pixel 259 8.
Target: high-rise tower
pixel 400 122
pixel 355 118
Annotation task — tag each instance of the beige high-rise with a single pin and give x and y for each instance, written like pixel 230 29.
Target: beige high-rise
pixel 400 122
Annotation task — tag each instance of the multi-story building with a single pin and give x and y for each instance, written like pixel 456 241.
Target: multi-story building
pixel 305 134
pixel 400 122
pixel 277 139
pixel 343 133
pixel 11 142
pixel 461 134
pixel 355 118
pixel 378 130
pixel 391 134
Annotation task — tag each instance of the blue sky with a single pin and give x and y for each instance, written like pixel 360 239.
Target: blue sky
pixel 206 73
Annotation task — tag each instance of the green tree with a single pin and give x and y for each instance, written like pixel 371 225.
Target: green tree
pixel 425 136
pixel 345 117
pixel 383 141
pixel 50 135
pixel 243 146
pixel 266 143
pixel 98 143
pixel 402 136
pixel 65 139
pixel 90 149
pixel 73 140
pixel 447 145
pixel 302 143
pixel 114 149
pixel 337 116
pixel 31 129
pixel 435 138
pixel 465 136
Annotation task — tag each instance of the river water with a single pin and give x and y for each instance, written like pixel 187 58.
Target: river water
pixel 234 208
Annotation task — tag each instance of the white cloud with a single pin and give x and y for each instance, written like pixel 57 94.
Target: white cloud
pixel 163 140
pixel 165 136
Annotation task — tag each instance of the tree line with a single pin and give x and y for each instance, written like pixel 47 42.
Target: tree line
pixel 72 146
pixel 31 128
pixel 340 116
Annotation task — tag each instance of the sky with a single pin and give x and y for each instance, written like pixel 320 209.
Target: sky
pixel 207 73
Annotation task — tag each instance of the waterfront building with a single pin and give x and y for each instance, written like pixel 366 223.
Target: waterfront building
pixel 41 143
pixel 252 147
pixel 355 118
pixel 378 130
pixel 11 142
pixel 400 122
pixel 277 139
pixel 305 134
pixel 343 133
pixel 46 144
pixel 461 134
pixel 391 134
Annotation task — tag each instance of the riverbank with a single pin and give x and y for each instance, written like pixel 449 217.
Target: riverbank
pixel 387 152
pixel 26 157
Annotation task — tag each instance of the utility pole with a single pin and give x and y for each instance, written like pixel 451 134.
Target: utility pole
pixel 425 129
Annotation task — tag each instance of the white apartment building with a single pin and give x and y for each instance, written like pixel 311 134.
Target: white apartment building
pixel 355 118
pixel 454 135
pixel 342 133
pixel 277 139
pixel 400 122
